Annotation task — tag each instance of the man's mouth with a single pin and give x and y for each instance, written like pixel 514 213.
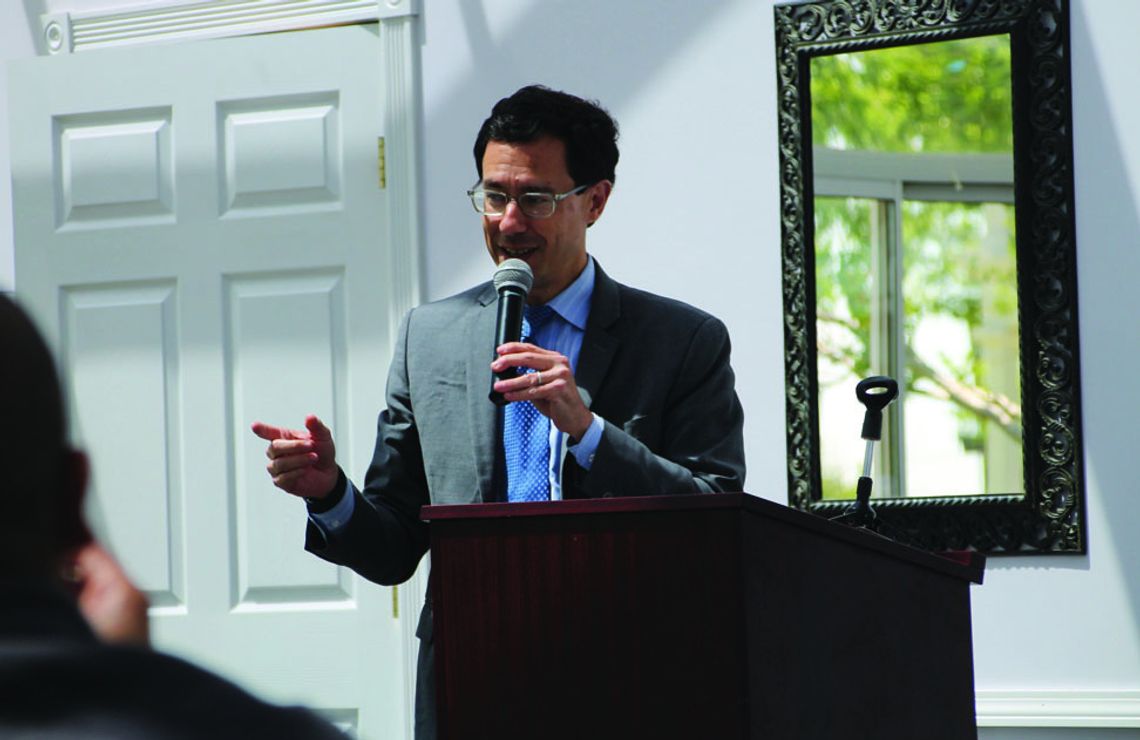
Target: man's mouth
pixel 518 251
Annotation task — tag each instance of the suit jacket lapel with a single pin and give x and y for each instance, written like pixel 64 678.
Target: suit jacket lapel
pixel 599 343
pixel 481 413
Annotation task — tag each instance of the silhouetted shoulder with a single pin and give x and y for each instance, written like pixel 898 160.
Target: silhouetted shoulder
pixel 71 689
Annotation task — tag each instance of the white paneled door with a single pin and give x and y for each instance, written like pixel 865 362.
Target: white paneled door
pixel 202 231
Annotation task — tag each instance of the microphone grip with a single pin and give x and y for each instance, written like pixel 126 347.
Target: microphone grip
pixel 508 328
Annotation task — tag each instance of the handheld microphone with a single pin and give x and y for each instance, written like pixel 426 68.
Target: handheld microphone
pixel 512 280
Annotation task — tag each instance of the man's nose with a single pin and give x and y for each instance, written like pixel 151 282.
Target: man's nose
pixel 513 220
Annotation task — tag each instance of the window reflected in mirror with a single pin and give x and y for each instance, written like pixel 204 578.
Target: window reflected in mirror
pixel 915 266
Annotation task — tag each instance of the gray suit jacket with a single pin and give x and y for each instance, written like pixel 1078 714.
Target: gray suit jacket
pixel 656 370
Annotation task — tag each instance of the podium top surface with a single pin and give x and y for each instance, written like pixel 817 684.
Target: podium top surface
pixel 967 566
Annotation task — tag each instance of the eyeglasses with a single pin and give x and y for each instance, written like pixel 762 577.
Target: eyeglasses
pixel 533 205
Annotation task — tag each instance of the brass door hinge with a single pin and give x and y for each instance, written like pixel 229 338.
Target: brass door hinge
pixel 382 163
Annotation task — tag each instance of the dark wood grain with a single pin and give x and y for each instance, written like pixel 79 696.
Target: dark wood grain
pixel 720 616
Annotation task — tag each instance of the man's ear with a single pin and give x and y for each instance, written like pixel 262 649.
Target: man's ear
pixel 599 195
pixel 73 530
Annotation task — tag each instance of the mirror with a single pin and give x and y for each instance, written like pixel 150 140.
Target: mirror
pixel 927 234
pixel 915 264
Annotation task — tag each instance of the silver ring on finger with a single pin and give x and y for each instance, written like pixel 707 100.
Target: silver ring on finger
pixel 538 377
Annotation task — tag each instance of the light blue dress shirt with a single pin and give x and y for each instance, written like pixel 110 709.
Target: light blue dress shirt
pixel 563 334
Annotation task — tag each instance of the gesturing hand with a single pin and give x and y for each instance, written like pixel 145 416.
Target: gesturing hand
pixel 301 461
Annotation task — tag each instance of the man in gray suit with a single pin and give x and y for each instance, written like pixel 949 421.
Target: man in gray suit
pixel 624 393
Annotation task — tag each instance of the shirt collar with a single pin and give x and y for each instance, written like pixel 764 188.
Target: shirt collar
pixel 573 303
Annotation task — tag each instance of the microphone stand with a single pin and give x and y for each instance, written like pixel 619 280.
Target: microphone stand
pixel 875 393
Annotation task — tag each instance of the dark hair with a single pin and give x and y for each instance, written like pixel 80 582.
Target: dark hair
pixel 587 130
pixel 33 448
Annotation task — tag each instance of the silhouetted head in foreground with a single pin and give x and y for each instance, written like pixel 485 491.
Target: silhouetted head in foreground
pixel 42 478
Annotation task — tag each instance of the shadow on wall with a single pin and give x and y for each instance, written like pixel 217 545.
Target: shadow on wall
pixel 33 9
pixel 598 49
pixel 1107 219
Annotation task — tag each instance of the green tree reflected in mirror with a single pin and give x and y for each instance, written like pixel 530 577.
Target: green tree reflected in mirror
pixel 948 96
pixel 915 265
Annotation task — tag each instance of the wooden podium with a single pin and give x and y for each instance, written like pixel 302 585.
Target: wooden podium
pixel 711 616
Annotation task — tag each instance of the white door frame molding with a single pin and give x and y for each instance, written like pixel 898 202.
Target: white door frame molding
pixel 185 20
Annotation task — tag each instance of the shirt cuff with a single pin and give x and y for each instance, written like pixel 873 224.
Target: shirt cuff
pixel 584 451
pixel 335 519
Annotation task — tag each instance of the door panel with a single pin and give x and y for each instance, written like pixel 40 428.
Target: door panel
pixel 201 231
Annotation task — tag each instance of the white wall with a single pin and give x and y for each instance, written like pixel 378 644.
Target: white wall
pixel 692 215
pixel 17 41
pixel 695 216
pixel 1065 622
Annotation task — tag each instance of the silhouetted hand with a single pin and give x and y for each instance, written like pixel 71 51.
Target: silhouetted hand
pixel 111 604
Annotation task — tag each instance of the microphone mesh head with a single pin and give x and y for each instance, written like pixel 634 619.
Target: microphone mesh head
pixel 513 273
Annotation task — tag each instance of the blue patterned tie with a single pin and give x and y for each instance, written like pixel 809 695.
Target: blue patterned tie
pixel 526 433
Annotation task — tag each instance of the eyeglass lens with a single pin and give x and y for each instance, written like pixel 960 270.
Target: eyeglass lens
pixel 531 204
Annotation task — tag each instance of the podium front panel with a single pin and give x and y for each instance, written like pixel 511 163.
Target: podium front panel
pixel 587 626
pixel 715 616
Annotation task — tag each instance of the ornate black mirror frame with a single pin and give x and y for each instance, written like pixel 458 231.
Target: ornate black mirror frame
pixel 1049 517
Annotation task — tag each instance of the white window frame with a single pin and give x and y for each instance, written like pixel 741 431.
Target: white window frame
pixel 889 178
